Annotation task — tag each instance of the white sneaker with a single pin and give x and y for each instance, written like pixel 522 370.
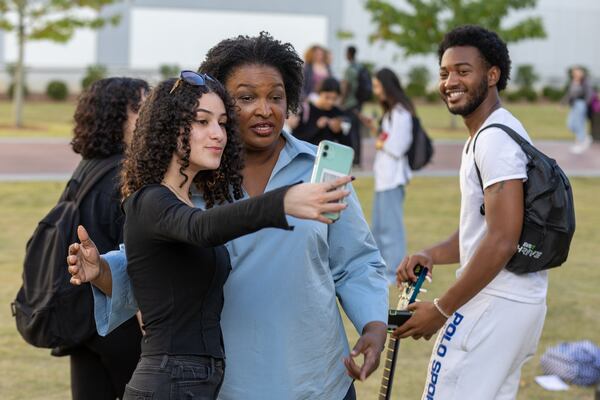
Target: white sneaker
pixel 580 147
pixel 577 148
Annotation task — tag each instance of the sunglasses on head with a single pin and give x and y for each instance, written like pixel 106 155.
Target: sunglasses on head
pixel 192 78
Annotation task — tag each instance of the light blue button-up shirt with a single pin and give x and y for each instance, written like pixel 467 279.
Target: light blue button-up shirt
pixel 283 332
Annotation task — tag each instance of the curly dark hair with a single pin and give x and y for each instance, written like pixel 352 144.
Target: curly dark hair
pixel 493 50
pixel 165 121
pixel 101 114
pixel 229 54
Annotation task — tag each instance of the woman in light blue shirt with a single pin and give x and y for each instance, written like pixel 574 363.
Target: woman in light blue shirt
pixel 281 323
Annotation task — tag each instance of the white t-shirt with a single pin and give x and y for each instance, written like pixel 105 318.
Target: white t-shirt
pixel 390 167
pixel 499 158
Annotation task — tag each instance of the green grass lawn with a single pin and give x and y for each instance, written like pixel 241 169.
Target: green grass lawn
pixel 54 119
pixel 41 119
pixel 432 207
pixel 547 118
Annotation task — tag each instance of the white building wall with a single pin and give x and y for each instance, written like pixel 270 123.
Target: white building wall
pixel 573 29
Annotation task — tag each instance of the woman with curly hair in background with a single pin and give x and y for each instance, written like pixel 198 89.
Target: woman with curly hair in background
pixel 176 259
pixel 317 67
pixel 104 121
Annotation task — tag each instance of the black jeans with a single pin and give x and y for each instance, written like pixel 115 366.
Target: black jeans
pixel 102 366
pixel 165 377
pixel 351 395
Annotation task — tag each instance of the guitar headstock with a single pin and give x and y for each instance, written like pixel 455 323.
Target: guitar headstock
pixel 408 295
pixel 411 290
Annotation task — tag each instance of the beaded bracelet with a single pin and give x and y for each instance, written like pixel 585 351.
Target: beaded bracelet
pixel 437 306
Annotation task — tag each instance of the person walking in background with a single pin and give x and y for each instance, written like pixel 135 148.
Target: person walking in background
pixel 281 321
pixel 579 95
pixel 491 319
pixel 105 118
pixel 356 89
pixel 320 119
pixel 317 67
pixel 390 168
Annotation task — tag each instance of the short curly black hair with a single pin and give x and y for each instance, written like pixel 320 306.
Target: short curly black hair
pixel 101 114
pixel 165 122
pixel 493 50
pixel 229 54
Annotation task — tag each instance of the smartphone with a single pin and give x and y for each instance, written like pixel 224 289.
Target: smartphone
pixel 333 161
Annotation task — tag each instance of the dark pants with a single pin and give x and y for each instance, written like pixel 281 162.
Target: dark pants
pixel 354 133
pixel 351 395
pixel 176 377
pixel 103 365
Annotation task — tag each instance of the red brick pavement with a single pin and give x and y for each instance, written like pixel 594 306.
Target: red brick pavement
pixel 50 159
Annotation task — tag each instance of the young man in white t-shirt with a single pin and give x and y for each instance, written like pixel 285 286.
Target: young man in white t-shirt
pixel 490 319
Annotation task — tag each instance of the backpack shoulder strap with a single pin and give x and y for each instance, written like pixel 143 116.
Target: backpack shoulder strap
pixel 509 131
pixel 95 173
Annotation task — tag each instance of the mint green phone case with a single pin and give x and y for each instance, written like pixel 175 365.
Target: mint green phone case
pixel 333 160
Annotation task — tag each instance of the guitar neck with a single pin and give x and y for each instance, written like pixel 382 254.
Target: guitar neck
pixel 385 391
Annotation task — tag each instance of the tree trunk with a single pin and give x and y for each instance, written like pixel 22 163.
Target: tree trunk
pixel 20 67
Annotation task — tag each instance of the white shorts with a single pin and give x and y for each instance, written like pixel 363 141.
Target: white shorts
pixel 480 350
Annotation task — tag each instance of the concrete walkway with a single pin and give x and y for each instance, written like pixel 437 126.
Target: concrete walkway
pixel 53 159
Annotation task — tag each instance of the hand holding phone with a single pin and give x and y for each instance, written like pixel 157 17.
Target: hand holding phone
pixel 333 161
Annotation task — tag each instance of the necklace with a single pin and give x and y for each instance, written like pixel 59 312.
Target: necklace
pixel 172 189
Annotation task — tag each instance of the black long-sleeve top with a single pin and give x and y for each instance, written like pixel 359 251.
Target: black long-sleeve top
pixel 178 265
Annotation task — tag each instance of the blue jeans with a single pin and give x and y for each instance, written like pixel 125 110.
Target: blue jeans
pixel 164 377
pixel 388 228
pixel 577 119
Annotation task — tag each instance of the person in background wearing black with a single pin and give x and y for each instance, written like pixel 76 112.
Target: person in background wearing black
pixel 104 121
pixel 321 119
pixel 186 134
pixel 350 103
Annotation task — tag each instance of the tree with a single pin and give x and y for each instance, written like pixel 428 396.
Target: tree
pixel 419 27
pixel 54 20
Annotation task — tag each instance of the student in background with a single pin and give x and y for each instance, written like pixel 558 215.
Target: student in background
pixel 321 119
pixel 105 118
pixel 391 170
pixel 317 67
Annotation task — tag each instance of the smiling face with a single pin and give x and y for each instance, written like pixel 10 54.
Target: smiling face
pixel 208 136
pixel 463 80
pixel 260 103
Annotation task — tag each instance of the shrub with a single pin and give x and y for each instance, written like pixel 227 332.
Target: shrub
pixel 11 90
pixel 553 93
pixel 432 96
pixel 528 94
pixel 168 71
pixel 526 77
pixel 93 73
pixel 513 96
pixel 57 90
pixel 418 78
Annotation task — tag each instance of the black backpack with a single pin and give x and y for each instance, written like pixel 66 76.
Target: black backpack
pixel 364 89
pixel 49 311
pixel 421 149
pixel 549 221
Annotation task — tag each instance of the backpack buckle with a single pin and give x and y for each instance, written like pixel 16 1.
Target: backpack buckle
pixel 13 309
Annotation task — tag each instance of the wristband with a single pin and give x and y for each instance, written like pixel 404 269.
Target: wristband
pixel 437 306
